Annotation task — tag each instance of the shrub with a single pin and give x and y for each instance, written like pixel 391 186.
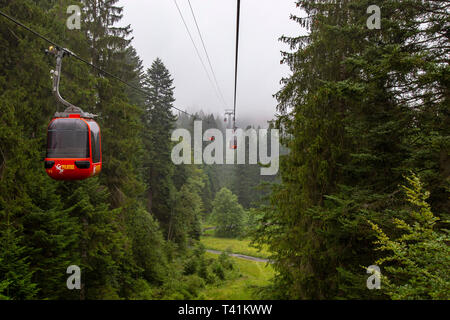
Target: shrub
pixel 417 261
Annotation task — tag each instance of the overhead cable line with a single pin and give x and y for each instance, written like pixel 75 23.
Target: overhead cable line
pixel 83 60
pixel 237 58
pixel 196 49
pixel 206 52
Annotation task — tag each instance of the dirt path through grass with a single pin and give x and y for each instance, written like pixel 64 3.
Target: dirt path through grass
pixel 237 255
pixel 236 246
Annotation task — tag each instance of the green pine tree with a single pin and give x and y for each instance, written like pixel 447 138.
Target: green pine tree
pixel 352 134
pixel 158 124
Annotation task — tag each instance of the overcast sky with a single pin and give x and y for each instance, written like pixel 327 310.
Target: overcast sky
pixel 159 32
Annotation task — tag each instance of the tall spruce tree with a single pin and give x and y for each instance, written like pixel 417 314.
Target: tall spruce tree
pixel 348 119
pixel 158 123
pixel 119 119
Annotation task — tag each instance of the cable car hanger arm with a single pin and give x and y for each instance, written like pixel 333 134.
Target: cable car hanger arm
pixel 56 75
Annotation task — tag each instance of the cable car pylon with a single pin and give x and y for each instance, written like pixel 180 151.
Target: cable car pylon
pixel 230 119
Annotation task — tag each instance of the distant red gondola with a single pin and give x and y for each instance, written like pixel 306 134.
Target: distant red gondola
pixel 233 143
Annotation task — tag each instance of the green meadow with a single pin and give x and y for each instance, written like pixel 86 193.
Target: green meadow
pixel 245 283
pixel 241 246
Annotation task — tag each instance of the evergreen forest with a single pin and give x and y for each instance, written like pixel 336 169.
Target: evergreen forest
pixel 364 177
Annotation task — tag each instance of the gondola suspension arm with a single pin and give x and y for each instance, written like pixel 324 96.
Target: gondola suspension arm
pixel 56 75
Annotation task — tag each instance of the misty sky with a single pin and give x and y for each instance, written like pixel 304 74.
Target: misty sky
pixel 159 32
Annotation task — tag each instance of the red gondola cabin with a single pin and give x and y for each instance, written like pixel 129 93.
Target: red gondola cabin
pixel 74 150
pixel 73 147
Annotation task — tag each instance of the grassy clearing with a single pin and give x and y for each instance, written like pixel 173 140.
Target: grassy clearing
pixel 207 225
pixel 234 246
pixel 209 232
pixel 248 277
